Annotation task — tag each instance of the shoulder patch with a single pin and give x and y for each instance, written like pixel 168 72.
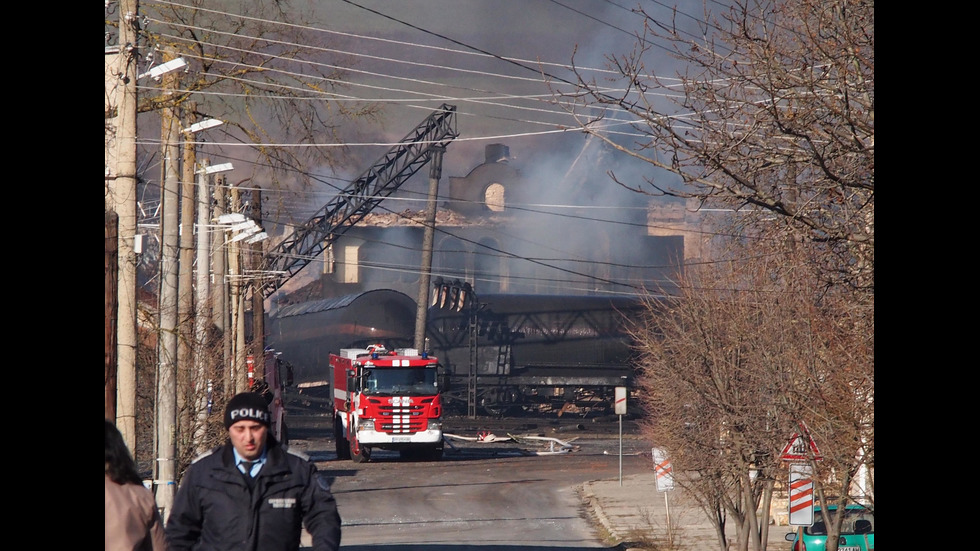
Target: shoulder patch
pixel 202 456
pixel 298 454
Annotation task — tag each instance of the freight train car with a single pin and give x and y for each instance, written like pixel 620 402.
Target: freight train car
pixel 307 333
pixel 506 355
pixel 535 353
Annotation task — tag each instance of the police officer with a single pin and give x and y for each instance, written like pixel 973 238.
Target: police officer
pixel 251 493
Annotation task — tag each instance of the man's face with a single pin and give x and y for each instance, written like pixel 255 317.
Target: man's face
pixel 248 437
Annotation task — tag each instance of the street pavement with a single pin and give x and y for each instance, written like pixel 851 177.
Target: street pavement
pixel 634 514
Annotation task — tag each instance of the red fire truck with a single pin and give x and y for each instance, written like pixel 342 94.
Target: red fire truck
pixel 387 400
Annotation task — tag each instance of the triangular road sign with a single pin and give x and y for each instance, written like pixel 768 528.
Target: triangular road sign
pixel 801 447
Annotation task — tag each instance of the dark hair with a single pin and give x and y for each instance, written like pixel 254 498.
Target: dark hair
pixel 119 464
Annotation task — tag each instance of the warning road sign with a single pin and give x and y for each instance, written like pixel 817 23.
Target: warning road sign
pixel 800 495
pixel 665 473
pixel 620 407
pixel 801 447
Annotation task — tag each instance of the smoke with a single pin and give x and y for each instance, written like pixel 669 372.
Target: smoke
pixel 502 65
pixel 565 216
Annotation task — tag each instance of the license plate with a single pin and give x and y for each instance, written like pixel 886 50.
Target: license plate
pixel 848 548
pixel 397 439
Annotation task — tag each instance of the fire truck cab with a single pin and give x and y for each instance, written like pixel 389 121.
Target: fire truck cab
pixel 387 400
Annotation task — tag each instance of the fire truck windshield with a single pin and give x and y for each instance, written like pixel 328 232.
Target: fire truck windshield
pixel 403 381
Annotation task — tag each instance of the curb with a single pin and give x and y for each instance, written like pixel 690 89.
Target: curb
pixel 597 511
pixel 593 502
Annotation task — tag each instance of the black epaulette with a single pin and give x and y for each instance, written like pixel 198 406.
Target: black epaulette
pixel 298 454
pixel 202 456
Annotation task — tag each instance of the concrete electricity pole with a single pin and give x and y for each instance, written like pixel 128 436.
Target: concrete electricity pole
pixel 122 198
pixel 202 314
pixel 166 396
pixel 428 238
pixel 185 283
pixel 258 300
pixel 237 303
pixel 219 289
pixel 111 291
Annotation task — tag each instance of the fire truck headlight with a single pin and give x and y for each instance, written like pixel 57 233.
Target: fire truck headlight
pixel 435 424
pixel 365 424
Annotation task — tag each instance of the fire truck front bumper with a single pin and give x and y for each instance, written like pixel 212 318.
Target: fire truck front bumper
pixel 369 436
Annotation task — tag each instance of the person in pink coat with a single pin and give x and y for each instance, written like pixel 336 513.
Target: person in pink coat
pixel 132 520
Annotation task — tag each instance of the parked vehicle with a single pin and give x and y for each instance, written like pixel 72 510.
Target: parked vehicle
pixel 278 375
pixel 388 400
pixel 857 533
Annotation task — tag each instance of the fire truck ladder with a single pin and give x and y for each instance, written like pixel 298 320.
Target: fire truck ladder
pixel 351 205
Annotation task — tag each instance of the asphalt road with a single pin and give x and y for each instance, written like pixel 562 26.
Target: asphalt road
pixel 488 496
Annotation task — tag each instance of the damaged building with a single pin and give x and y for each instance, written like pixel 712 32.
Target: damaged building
pixel 506 229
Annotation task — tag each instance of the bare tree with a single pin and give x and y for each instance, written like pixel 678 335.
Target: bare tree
pixel 707 403
pixel 830 386
pixel 772 114
pixel 266 71
pixel 751 348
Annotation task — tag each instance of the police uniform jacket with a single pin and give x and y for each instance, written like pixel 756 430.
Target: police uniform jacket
pixel 215 510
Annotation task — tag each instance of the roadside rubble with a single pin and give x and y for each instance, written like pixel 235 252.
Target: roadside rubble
pixel 546 445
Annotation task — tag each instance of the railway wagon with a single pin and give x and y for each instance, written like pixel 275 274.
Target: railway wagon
pixel 509 354
pixel 307 333
pixel 536 353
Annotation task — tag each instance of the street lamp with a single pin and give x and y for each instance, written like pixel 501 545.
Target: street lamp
pixel 202 125
pixel 223 167
pixel 250 229
pixel 261 236
pixel 230 218
pixel 245 225
pixel 192 312
pixel 156 72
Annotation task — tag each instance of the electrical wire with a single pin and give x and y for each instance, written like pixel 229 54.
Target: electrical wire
pixel 433 98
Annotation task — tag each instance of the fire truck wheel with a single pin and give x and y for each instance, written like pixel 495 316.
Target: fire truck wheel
pixel 434 453
pixel 343 446
pixel 359 453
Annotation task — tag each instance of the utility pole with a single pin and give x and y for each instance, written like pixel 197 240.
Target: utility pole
pixel 239 382
pixel 185 284
pixel 219 289
pixel 166 396
pixel 111 303
pixel 258 300
pixel 202 317
pixel 122 197
pixel 428 238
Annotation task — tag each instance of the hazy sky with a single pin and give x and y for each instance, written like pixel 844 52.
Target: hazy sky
pixel 498 61
pixel 487 58
pixel 491 59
